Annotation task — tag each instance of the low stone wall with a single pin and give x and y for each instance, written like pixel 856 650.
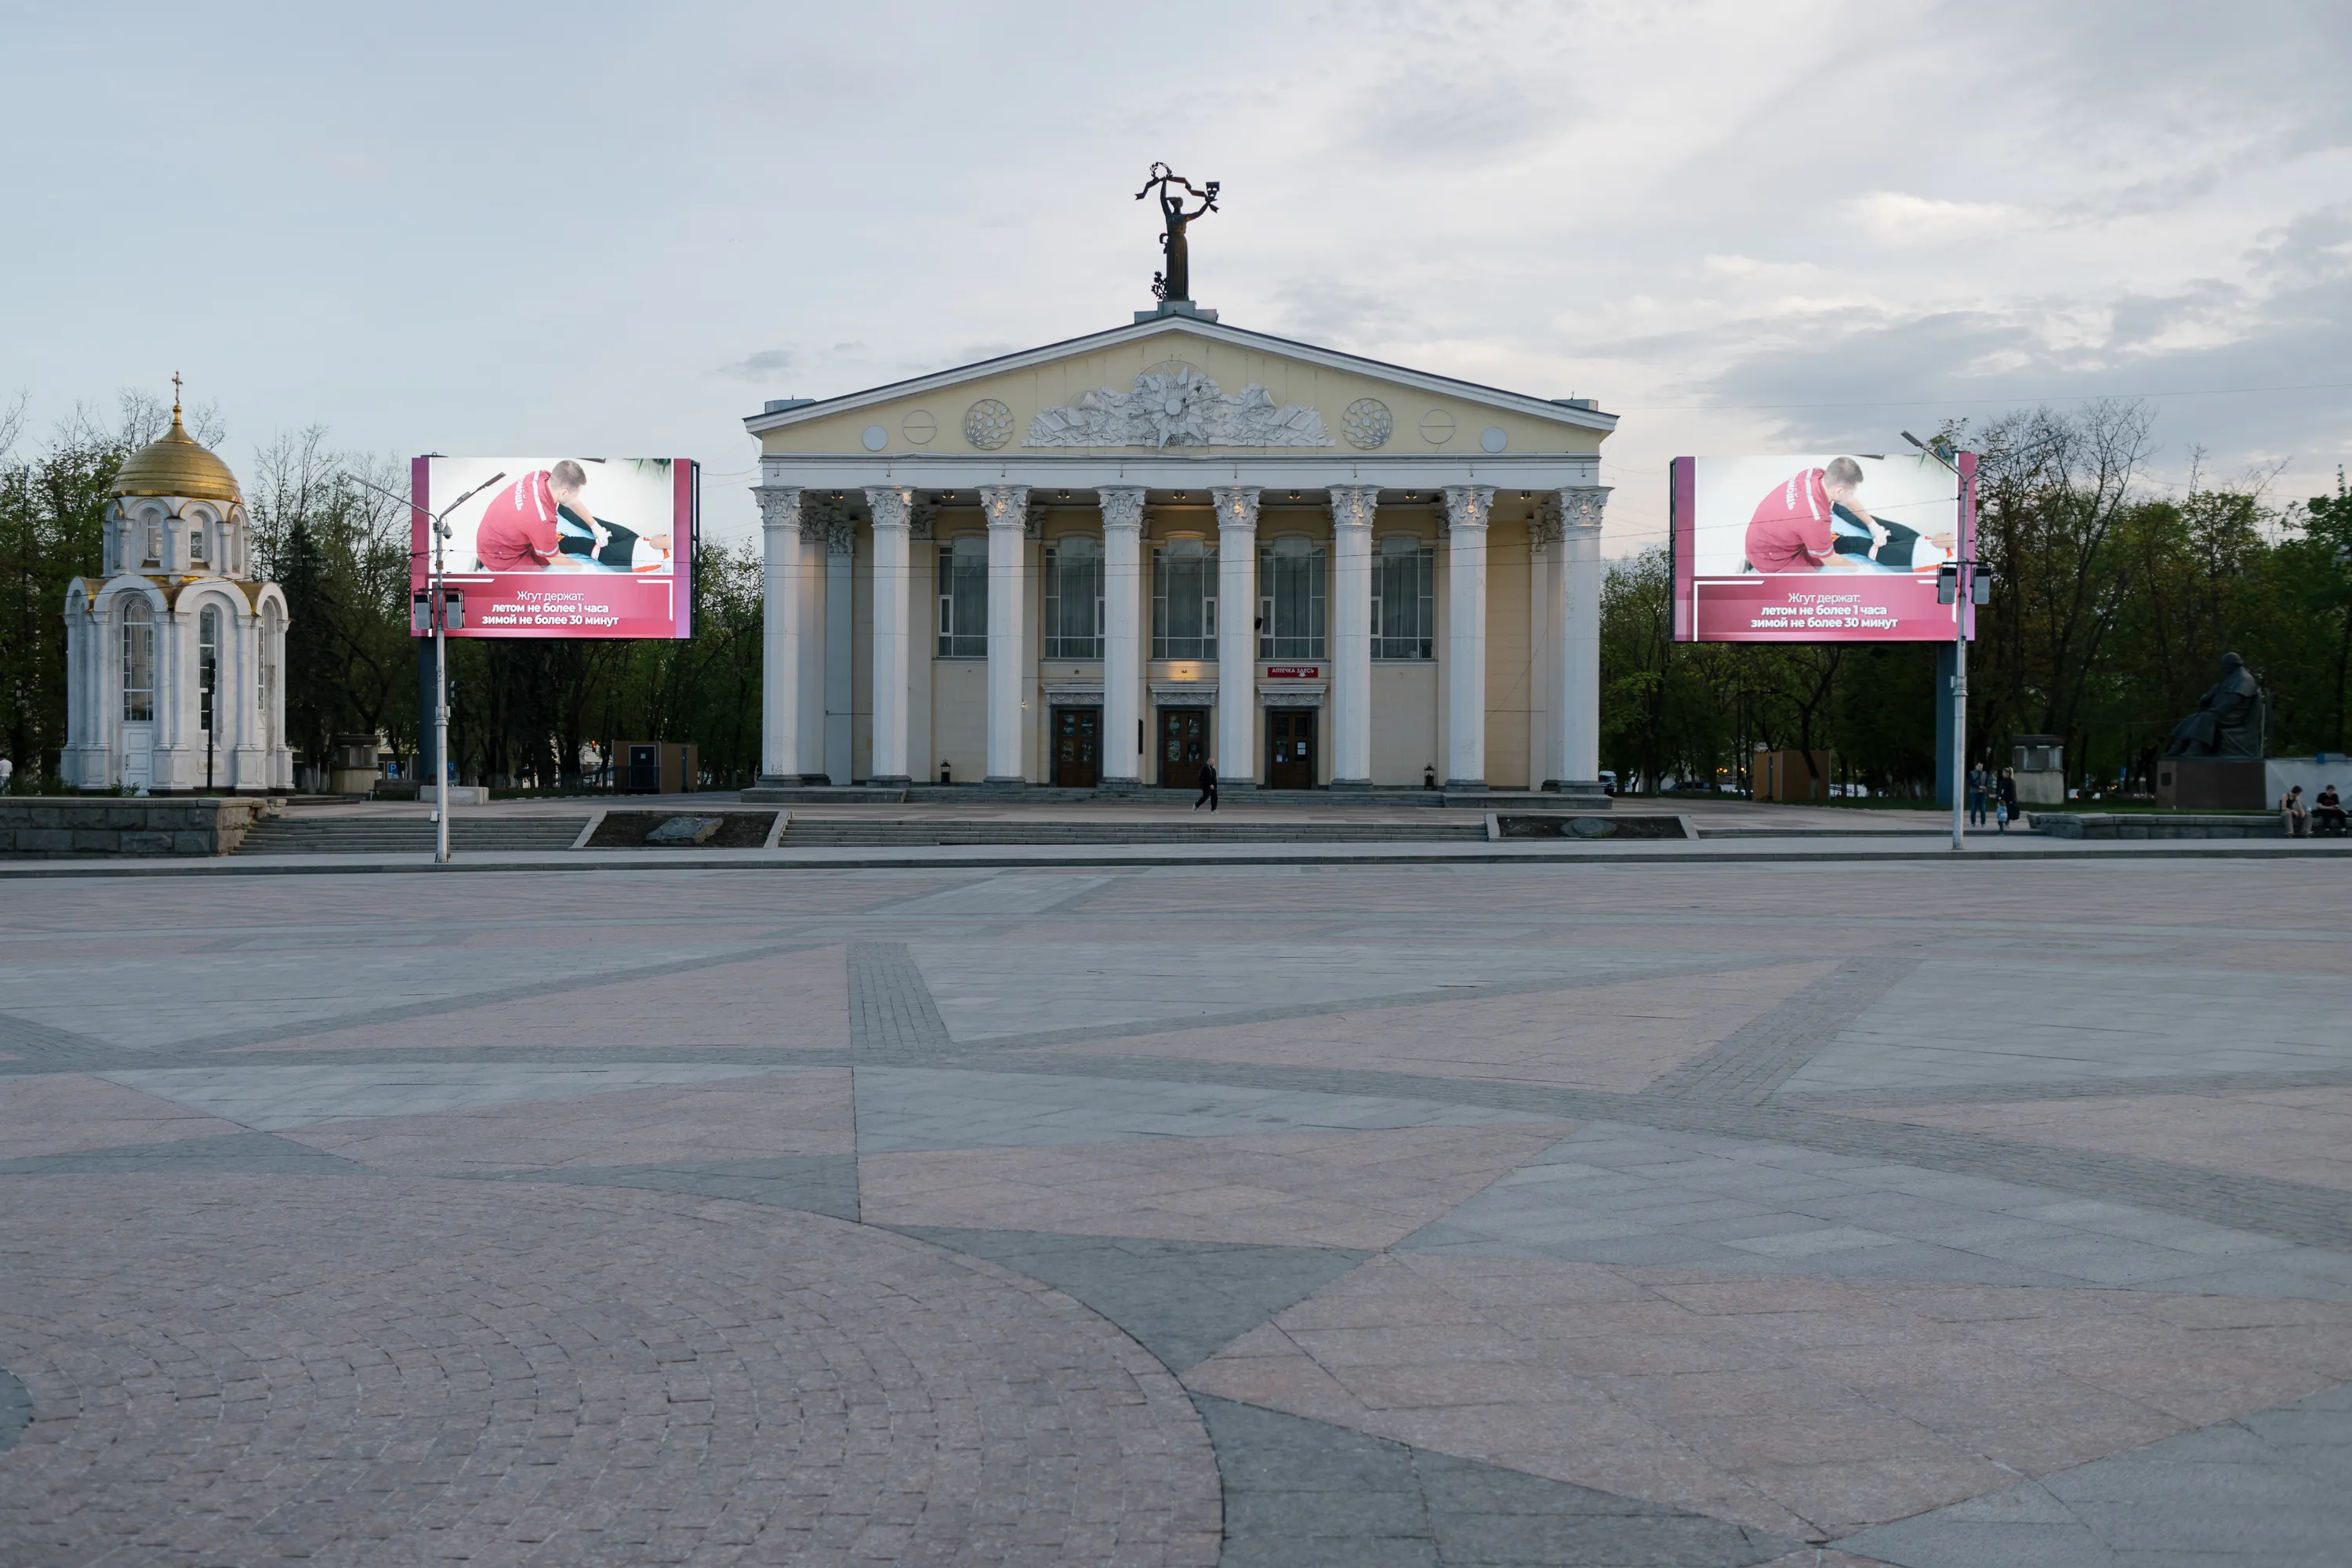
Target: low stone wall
pixel 46 827
pixel 2149 824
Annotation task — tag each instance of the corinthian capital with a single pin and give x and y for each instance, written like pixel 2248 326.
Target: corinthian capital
pixel 1579 508
pixel 889 505
pixel 1122 506
pixel 779 507
pixel 1467 506
pixel 1236 508
pixel 1004 506
pixel 1352 505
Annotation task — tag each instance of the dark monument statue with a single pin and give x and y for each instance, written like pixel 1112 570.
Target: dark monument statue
pixel 2229 719
pixel 1176 283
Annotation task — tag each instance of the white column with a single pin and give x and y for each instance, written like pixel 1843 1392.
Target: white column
pixel 1576 680
pixel 840 642
pixel 1236 633
pixel 1351 634
pixel 893 613
pixel 1467 507
pixel 809 591
pixel 780 635
pixel 1123 513
pixel 1006 508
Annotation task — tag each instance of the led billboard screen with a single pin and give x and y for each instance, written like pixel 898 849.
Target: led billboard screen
pixel 1817 548
pixel 560 547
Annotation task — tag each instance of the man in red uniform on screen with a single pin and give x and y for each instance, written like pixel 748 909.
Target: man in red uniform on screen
pixel 1794 528
pixel 519 531
pixel 544 519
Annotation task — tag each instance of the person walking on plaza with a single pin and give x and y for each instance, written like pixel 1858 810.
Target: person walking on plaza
pixel 2008 806
pixel 1980 785
pixel 1207 785
pixel 2296 815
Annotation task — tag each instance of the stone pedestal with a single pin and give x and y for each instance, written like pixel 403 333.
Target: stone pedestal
pixel 2211 783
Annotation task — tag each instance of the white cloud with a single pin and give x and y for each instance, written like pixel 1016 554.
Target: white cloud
pixel 1894 217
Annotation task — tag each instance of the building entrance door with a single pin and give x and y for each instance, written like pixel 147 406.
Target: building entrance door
pixel 1077 747
pixel 138 756
pixel 1290 748
pixel 1183 746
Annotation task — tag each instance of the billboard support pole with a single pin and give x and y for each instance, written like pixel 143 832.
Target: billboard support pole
pixel 437 608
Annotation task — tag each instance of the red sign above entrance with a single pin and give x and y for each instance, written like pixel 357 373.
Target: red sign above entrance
pixel 1293 672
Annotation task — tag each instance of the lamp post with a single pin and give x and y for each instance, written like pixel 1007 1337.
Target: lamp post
pixel 1962 583
pixel 438 610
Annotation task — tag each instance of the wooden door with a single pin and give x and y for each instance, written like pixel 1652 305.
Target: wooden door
pixel 1077 747
pixel 1183 746
pixel 1290 748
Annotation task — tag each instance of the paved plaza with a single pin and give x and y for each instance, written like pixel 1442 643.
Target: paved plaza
pixel 1940 1215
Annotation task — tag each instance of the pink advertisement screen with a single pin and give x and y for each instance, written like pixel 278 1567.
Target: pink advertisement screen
pixel 1821 547
pixel 559 547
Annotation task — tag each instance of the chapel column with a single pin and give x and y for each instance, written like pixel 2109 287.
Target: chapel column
pixel 780 634
pixel 1576 679
pixel 1467 508
pixel 1236 750
pixel 1007 509
pixel 1122 514
pixel 889 506
pixel 1351 634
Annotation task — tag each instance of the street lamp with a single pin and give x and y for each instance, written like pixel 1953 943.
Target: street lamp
pixel 1963 575
pixel 436 610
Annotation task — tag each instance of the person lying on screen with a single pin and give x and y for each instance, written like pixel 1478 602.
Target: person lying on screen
pixel 522 529
pixel 1816 521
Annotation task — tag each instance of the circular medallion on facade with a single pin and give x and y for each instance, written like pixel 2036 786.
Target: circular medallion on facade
pixel 918 428
pixel 1367 423
pixel 1494 438
pixel 1437 426
pixel 876 438
pixel 988 425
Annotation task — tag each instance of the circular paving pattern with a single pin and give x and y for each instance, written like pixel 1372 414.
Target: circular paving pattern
pixel 376 1371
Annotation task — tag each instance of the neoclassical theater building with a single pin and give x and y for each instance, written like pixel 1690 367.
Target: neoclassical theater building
pixel 1098 564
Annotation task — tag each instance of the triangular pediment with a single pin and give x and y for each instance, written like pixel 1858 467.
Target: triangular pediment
pixel 1181 386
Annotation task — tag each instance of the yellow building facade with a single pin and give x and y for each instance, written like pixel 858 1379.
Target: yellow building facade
pixel 1098 564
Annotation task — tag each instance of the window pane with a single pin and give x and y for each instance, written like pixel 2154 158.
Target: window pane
pixel 1184 601
pixel 963 598
pixel 138 661
pixel 1291 600
pixel 1405 601
pixel 1073 599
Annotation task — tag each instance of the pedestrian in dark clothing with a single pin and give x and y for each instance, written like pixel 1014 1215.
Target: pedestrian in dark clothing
pixel 2008 797
pixel 1207 785
pixel 1980 785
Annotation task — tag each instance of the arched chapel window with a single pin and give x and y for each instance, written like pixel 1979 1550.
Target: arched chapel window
pixel 138 661
pixel 208 647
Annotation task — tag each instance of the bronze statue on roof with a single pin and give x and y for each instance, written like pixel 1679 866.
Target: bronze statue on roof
pixel 1176 283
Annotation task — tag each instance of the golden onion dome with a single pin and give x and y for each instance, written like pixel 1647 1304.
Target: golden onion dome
pixel 176 465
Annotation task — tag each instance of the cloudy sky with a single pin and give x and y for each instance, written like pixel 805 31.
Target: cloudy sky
pixel 515 227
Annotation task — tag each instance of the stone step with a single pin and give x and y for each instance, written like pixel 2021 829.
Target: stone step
pixel 805 831
pixel 378 836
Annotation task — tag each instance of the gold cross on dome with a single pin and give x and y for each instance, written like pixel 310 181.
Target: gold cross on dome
pixel 175 394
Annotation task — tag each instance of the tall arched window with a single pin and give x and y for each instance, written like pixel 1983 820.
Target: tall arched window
pixel 154 556
pixel 1074 598
pixel 138 659
pixel 197 553
pixel 208 647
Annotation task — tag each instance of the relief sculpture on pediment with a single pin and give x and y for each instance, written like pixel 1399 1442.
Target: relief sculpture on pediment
pixel 1177 405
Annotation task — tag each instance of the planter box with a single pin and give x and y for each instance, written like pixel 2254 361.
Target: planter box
pixel 52 829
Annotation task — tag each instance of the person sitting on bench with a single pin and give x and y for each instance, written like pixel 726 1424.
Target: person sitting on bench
pixel 2327 812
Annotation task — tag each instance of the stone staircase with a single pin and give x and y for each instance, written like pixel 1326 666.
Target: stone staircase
pixel 299 834
pixel 813 832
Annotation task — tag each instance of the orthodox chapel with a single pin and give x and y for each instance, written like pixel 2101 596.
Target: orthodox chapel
pixel 173 653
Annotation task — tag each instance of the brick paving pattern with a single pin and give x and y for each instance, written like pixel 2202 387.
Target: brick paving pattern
pixel 1448 1214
